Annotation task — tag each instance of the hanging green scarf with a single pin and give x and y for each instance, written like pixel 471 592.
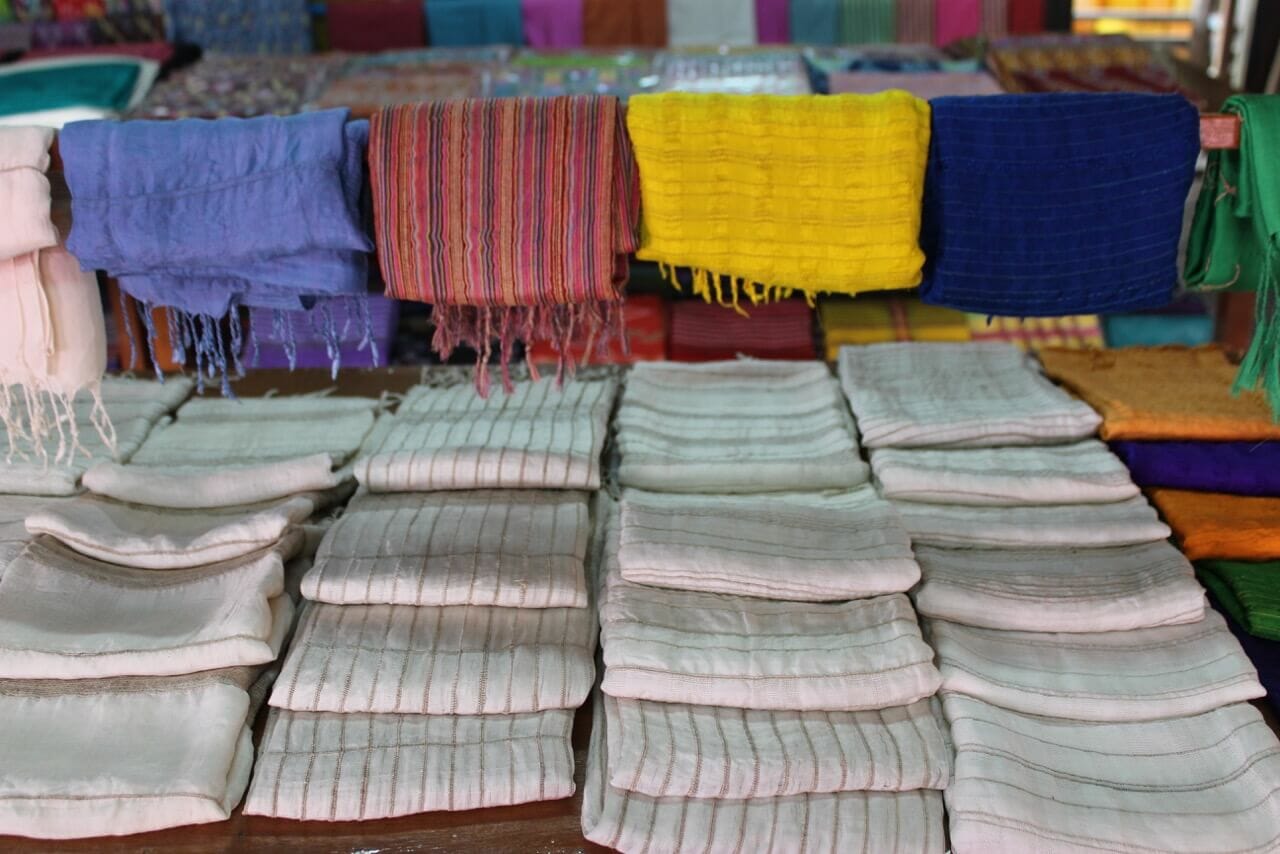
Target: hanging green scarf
pixel 1235 237
pixel 868 21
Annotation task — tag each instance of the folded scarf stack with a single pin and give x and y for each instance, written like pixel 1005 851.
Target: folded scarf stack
pixel 448 636
pixel 1235 237
pixel 464 191
pixel 203 218
pixel 53 343
pixel 1036 333
pixel 138 636
pixel 759 210
pixel 762 665
pixel 1057 611
pixel 1056 241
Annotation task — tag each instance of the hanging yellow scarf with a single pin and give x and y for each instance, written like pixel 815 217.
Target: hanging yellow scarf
pixel 765 195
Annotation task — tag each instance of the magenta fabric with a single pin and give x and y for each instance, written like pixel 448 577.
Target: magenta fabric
pixel 958 19
pixel 553 23
pixel 1234 468
pixel 773 25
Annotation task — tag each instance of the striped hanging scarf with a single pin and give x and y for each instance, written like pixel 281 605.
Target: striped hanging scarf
pixel 782 194
pixel 916 19
pixel 1235 237
pixel 513 217
pixel 52 336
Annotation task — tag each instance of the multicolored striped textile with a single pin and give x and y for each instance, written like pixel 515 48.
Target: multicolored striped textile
pixel 1077 331
pixel 995 18
pixel 645 340
pixel 513 217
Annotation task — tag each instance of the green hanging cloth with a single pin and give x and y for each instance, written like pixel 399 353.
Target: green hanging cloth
pixel 1235 237
pixel 868 21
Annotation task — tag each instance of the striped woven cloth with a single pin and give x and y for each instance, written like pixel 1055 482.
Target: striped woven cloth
pixel 701 332
pixel 916 21
pixel 514 217
pixel 1075 332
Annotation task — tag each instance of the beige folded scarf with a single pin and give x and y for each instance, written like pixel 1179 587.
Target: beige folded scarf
pixel 65 616
pixel 53 343
pixel 219 453
pixel 847 822
pixel 361 767
pixel 809 547
pixel 1060 590
pixel 1144 674
pixel 523 548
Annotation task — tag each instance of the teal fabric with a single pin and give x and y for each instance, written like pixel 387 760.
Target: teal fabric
pixel 815 21
pixel 457 23
pixel 1154 330
pixel 6 14
pixel 107 85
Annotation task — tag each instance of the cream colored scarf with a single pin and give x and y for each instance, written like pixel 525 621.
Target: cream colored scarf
pixel 52 334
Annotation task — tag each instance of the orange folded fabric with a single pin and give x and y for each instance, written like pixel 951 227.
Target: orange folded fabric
pixel 1216 525
pixel 1163 393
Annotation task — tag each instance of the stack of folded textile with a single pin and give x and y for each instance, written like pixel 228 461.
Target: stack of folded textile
pixel 1210 460
pixel 448 636
pixel 241 86
pixel 764 674
pixel 139 621
pixel 1087 688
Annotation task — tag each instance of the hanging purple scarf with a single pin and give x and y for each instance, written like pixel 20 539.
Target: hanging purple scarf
pixel 773 24
pixel 204 217
pixel 1234 468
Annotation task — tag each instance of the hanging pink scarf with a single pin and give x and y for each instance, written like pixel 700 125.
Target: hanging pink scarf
pixel 552 23
pixel 958 19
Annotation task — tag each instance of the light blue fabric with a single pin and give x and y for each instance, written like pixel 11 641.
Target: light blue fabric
pixel 458 23
pixel 815 21
pixel 242 26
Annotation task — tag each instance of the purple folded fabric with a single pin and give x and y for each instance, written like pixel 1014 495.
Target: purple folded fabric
pixel 1234 468
pixel 922 84
pixel 1263 653
pixel 773 25
pixel 553 23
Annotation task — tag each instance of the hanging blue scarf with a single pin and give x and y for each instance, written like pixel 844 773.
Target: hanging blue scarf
pixel 1048 205
pixel 204 217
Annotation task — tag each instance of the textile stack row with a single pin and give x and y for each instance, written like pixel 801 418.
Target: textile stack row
pixel 1093 701
pixel 764 677
pixel 1211 464
pixel 448 635
pixel 142 617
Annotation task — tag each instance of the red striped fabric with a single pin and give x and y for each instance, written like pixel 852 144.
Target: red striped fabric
pixel 705 332
pixel 1026 16
pixel 514 217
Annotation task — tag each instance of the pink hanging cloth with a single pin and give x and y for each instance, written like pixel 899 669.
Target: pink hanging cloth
pixel 553 23
pixel 957 19
pixel 772 22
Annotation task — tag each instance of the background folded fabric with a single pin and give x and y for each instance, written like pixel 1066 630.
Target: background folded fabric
pixel 1163 393
pixel 1249 592
pixel 1215 525
pixel 1238 468
pixel 1096 232
pixel 1121 523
